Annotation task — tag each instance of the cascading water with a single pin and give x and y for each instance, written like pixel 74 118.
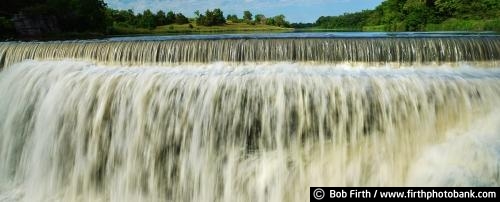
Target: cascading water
pixel 336 50
pixel 163 121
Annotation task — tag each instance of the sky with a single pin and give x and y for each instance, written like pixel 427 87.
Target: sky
pixel 294 10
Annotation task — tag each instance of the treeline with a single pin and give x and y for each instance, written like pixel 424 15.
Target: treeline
pixel 420 15
pixel 147 19
pixel 354 21
pixel 71 16
pixel 83 16
pixel 249 18
pixel 211 18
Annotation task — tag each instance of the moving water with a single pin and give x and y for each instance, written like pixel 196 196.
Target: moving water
pixel 320 50
pixel 248 129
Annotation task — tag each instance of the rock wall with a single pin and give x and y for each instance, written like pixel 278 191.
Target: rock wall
pixel 35 25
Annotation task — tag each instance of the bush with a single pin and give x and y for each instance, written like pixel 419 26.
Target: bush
pixel 215 17
pixel 181 19
pixel 458 25
pixel 492 25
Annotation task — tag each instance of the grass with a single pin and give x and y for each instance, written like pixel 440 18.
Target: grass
pixel 186 28
pixel 395 27
pixel 465 25
pixel 375 28
pixel 448 25
pixel 321 29
pixel 457 25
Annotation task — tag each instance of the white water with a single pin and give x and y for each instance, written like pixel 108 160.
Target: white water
pixel 75 131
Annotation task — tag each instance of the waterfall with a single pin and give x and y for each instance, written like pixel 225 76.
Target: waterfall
pixel 329 50
pixel 245 119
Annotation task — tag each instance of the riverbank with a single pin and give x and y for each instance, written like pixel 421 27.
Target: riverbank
pixel 450 25
pixel 193 28
pixel 190 28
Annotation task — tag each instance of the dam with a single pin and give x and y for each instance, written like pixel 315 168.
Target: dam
pixel 246 118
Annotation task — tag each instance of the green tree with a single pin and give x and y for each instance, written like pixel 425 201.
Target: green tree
pixel 120 15
pixel 215 17
pixel 161 18
pixel 260 19
pixel 170 19
pixel 247 16
pixel 347 21
pixel 147 20
pixel 270 21
pixel 233 18
pixel 468 9
pixel 391 10
pixel 79 15
pixel 280 21
pixel 219 16
pixel 11 7
pixel 181 19
pixel 418 13
pixel 83 15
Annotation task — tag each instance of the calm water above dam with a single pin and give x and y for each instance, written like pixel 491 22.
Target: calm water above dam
pixel 298 35
pixel 258 117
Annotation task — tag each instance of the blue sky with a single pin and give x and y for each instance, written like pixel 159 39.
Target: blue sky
pixel 294 10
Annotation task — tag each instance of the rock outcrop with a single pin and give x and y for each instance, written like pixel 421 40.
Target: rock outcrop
pixel 35 25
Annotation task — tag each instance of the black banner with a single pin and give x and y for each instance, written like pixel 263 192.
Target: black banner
pixel 425 193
